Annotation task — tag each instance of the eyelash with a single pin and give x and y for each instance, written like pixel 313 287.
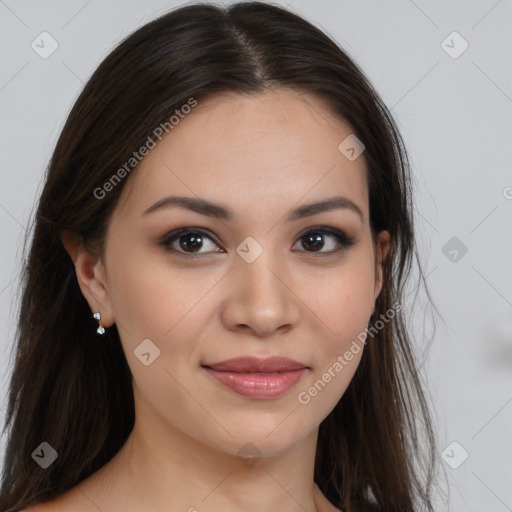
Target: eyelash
pixel 343 240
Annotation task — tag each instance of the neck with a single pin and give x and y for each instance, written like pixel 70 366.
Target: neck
pixel 162 468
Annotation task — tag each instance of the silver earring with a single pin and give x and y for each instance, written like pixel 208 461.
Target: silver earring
pixel 100 329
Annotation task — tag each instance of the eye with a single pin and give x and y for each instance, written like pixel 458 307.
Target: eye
pixel 186 241
pixel 313 240
pixel 189 241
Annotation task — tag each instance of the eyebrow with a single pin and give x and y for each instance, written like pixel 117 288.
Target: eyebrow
pixel 219 211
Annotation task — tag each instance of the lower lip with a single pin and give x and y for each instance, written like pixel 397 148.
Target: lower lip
pixel 258 385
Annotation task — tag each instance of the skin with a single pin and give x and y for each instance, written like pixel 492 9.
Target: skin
pixel 261 155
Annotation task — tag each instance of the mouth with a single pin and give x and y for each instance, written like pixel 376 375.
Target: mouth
pixel 257 378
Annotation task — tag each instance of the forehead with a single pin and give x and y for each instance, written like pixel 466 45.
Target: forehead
pixel 258 153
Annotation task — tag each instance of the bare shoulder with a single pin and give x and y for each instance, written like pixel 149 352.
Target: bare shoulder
pixel 70 501
pixel 323 504
pixel 80 498
pixel 42 507
pixel 328 507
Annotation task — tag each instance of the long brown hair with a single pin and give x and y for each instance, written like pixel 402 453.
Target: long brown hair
pixel 376 449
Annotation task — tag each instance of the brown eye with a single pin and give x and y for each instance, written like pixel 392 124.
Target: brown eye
pixel 314 240
pixel 187 242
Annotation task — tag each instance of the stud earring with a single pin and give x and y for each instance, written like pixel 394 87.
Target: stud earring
pixel 100 329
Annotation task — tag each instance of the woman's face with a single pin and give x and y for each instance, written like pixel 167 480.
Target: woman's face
pixel 258 281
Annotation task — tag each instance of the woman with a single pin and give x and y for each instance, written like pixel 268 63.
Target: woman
pixel 212 305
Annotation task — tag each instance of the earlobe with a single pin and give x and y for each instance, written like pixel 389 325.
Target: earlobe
pixel 90 275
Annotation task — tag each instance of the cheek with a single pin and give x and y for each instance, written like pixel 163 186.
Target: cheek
pixel 154 302
pixel 342 299
pixel 150 298
pixel 344 305
pixel 169 305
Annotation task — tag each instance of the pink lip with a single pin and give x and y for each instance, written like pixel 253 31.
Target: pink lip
pixel 257 378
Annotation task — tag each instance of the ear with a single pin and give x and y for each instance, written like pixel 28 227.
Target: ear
pixel 382 247
pixel 90 273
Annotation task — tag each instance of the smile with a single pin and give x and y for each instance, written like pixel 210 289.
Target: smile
pixel 258 385
pixel 257 378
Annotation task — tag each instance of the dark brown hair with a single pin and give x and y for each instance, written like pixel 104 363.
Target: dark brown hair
pixel 376 449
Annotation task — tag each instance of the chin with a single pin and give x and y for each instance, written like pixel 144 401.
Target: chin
pixel 264 438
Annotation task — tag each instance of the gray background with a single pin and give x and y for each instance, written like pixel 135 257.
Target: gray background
pixel 455 116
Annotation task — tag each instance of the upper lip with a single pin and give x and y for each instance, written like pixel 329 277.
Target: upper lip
pixel 250 364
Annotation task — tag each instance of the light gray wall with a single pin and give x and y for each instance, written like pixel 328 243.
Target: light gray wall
pixel 456 118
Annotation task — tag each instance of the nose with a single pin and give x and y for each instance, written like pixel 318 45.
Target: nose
pixel 261 298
